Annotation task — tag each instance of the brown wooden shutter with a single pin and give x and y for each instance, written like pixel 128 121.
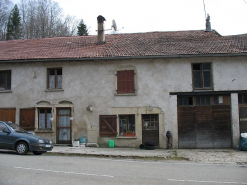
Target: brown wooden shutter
pixel 125 81
pixel 130 81
pixel 7 114
pixel 27 118
pixel 108 125
pixel 120 82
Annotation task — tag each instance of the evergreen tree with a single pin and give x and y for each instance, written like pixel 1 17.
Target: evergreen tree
pixel 82 29
pixel 14 24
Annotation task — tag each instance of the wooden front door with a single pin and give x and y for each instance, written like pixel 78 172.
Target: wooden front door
pixel 150 128
pixel 27 118
pixel 7 114
pixel 64 126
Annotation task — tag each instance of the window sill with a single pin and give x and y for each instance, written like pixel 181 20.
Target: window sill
pixel 44 131
pixel 202 89
pixel 54 90
pixel 5 91
pixel 125 94
pixel 126 137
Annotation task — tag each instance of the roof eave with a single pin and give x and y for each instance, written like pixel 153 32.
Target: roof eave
pixel 123 58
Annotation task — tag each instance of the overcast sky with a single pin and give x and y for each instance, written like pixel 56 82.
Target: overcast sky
pixel 228 17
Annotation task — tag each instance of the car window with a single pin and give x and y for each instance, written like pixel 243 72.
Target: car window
pixel 16 127
pixel 2 126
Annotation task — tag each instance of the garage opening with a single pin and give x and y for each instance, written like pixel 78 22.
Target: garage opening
pixel 204 122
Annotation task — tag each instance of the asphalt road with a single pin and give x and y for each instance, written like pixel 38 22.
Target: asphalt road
pixel 53 170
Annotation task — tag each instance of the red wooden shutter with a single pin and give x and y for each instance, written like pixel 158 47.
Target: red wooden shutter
pixel 120 82
pixel 130 81
pixel 125 81
pixel 108 125
pixel 27 118
pixel 7 114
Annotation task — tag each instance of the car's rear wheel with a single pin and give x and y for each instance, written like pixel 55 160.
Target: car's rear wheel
pixel 21 148
pixel 37 153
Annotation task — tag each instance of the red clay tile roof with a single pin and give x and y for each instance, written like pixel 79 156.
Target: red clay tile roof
pixel 124 45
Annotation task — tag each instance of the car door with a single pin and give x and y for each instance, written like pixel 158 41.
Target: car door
pixel 6 140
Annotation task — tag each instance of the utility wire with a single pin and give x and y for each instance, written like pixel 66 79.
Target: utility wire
pixel 204 9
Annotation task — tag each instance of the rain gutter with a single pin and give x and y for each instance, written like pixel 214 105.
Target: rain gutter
pixel 122 58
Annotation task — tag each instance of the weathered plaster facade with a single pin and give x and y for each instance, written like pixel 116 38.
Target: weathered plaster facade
pixel 93 83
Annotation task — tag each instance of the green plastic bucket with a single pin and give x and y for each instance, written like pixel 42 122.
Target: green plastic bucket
pixel 82 140
pixel 111 143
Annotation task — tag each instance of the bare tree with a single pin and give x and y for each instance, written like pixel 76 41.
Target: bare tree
pixel 44 18
pixel 39 19
pixel 5 8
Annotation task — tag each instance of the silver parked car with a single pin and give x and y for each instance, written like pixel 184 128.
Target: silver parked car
pixel 13 137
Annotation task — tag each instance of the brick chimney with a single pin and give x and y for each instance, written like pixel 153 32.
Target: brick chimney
pixel 101 31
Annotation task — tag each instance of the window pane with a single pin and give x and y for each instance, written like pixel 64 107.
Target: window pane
pixel 52 82
pixel 206 66
pixel 64 121
pixel 207 100
pixel 190 100
pixel 59 82
pixel 59 71
pixel 197 67
pixel 207 78
pixel 185 101
pixel 42 120
pixel 216 100
pixel 122 124
pixel 131 123
pixel 49 122
pixel 245 99
pixel 9 80
pixel 202 100
pixel 51 71
pixel 180 101
pixel 197 79
pixel 2 80
pixel 64 111
pixel 2 126
pixel 198 101
pixel 240 99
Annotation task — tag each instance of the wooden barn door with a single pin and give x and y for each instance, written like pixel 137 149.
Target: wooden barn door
pixel 204 127
pixel 27 118
pixel 222 126
pixel 186 127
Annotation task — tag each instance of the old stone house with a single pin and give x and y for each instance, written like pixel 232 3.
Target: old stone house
pixel 130 88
